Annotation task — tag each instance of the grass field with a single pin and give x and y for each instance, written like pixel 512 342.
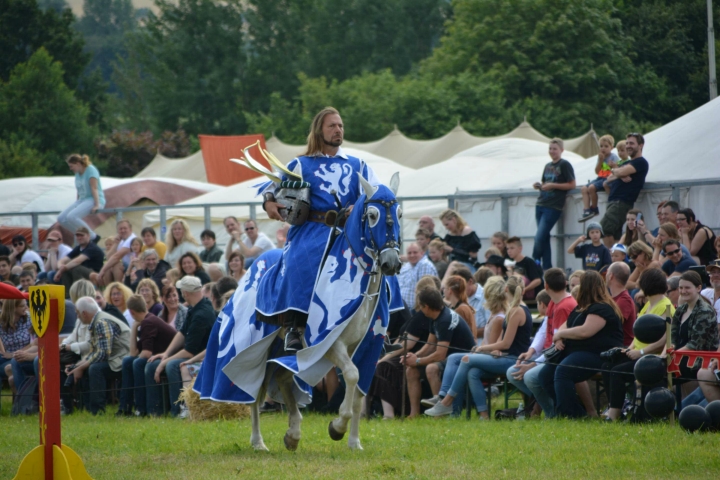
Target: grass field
pixel 130 448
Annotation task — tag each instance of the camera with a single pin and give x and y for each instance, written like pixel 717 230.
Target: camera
pixel 614 355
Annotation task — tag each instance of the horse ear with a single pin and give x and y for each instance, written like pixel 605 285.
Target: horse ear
pixel 369 189
pixel 395 183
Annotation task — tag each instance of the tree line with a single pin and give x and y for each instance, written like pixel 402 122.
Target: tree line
pixel 124 84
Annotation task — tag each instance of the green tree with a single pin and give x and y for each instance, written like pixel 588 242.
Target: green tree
pixel 38 109
pixel 18 159
pixel 125 153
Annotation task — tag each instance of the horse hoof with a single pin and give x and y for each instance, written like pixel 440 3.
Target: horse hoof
pixel 334 434
pixel 260 448
pixel 355 446
pixel 290 443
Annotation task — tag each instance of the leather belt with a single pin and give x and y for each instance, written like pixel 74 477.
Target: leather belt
pixel 328 218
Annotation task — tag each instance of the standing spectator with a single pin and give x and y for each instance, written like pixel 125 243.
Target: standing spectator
pixel 594 327
pixel 642 256
pixel 190 264
pixel 22 253
pixel 412 271
pixel 530 270
pixel 56 250
pixel 625 185
pixel 149 336
pixel 83 261
pixel 438 256
pixel 455 294
pixel 173 312
pixel 605 161
pixel 498 240
pixel 251 244
pixel 150 241
pixel 427 223
pixel 90 196
pixel 557 179
pixel 150 293
pixel 190 340
pixel 449 334
pixel 212 252
pixel 422 238
pixel 461 242
pixel 6 274
pixel 152 268
pixel 180 242
pixel 676 264
pixel 712 294
pixel 117 294
pixel 696 237
pixel 632 232
pixel 236 265
pixel 616 280
pixel 594 256
pixel 109 343
pixel 118 256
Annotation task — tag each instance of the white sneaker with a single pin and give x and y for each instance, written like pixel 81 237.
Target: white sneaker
pixel 184 412
pixel 439 410
pixel 430 402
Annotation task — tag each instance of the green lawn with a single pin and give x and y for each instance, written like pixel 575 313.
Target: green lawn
pixel 132 448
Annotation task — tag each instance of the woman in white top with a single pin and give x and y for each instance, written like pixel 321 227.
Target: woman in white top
pixel 90 196
pixel 21 253
pixel 180 242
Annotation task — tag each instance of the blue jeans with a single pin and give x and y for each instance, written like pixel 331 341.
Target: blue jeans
pixel 72 217
pixel 533 382
pixel 154 390
pixel 695 398
pixel 472 372
pixel 3 362
pixel 133 385
pixel 546 218
pixel 20 370
pixel 99 373
pixel 561 379
pixel 451 367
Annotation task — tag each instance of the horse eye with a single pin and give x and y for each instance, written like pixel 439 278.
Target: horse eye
pixel 373 216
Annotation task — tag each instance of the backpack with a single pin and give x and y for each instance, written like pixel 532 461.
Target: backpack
pixel 26 400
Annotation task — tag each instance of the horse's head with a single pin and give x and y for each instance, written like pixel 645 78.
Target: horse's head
pixel 379 225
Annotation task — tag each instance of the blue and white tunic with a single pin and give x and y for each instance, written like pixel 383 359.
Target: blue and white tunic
pixel 289 284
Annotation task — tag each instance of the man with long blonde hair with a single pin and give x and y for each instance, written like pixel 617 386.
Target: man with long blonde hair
pixel 284 292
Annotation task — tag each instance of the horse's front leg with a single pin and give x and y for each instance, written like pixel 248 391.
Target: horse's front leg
pixel 292 436
pixel 354 438
pixel 338 355
pixel 256 439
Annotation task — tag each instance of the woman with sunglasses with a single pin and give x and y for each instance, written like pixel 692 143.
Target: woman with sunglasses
pixel 90 196
pixel 642 256
pixel 667 231
pixel 696 237
pixel 22 254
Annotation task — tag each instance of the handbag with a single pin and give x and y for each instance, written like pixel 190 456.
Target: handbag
pixel 552 354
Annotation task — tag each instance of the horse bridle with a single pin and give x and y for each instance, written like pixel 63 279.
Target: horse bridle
pixel 389 222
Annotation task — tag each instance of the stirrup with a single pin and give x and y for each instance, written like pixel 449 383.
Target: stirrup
pixel 293 341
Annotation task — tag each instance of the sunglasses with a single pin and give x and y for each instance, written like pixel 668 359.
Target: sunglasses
pixel 15 244
pixel 80 234
pixel 671 253
pixel 249 228
pixel 53 239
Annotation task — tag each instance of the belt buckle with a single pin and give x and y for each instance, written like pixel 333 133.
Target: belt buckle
pixel 330 218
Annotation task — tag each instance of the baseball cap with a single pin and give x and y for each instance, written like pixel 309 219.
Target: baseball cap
pixel 189 284
pixel 714 265
pixel 619 247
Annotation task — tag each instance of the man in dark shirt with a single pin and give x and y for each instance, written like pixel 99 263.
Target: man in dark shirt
pixel 83 260
pixel 625 182
pixel 449 334
pixel 188 342
pixel 212 253
pixel 558 177
pixel 676 262
pixel 526 266
pixel 149 336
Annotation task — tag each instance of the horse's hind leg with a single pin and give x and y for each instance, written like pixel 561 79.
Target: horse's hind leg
pixel 256 439
pixel 292 436
pixel 338 355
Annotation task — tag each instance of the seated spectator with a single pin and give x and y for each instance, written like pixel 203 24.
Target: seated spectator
pixel 642 256
pixel 16 334
pixel 56 250
pixel 492 251
pixel 236 265
pixel 106 306
pixel 212 252
pixel 135 261
pixel 118 256
pixel 496 265
pixel 251 244
pixel 190 340
pixel 616 280
pixel 173 312
pixel 189 369
pixel 220 289
pixel 606 161
pixel 461 241
pixel 531 271
pixel 709 384
pixel 676 264
pixel 694 324
pixel 150 241
pixel 117 294
pixel 152 268
pixel 207 293
pixel 281 236
pixel 151 294
pixel 449 334
pixel 6 274
pixel 109 344
pixel 90 195
pixel 27 280
pixel 455 294
pixel 149 336
pixel 172 275
pixel 427 223
pixel 498 240
pixel 422 238
pixel 696 237
pixel 594 256
pixel 594 327
pixel 669 212
pixel 438 256
pixel 181 241
pixel 717 246
pixel 412 271
pixel 653 284
pixel 667 231
pixel 476 299
pixel 85 261
pixel 618 253
pixel 215 271
pixel 489 360
pixel 632 232
pixel 673 292
pixel 190 264
pixel 712 294
pixel 482 276
pixel 23 253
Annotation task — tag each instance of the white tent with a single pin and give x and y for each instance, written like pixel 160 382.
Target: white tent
pixel 188 168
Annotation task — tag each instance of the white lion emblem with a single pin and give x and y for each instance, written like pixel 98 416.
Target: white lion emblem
pixel 338 176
